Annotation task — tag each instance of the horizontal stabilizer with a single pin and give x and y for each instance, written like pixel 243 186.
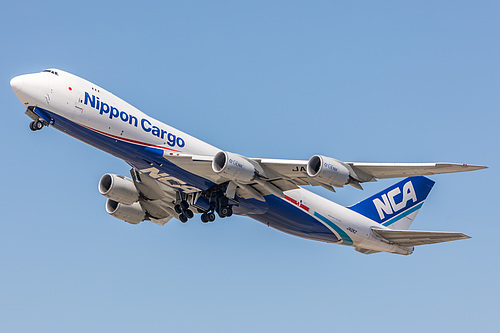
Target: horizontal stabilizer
pixel 413 238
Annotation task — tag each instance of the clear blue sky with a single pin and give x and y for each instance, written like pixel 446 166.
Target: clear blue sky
pixel 378 81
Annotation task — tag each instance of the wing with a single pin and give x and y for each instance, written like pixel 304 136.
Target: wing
pixel 397 170
pixel 275 176
pixel 257 177
pixel 414 238
pixel 366 172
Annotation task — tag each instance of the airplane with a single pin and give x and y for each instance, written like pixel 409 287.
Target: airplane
pixel 175 175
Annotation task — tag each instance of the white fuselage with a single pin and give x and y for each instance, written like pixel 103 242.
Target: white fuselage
pixel 94 115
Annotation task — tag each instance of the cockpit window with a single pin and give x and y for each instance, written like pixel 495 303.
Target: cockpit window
pixel 51 71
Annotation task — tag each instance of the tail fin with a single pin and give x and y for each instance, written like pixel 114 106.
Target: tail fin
pixel 396 206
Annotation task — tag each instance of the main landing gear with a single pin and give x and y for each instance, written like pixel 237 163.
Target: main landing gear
pixel 36 125
pixel 222 206
pixel 183 210
pixel 219 204
pixel 207 216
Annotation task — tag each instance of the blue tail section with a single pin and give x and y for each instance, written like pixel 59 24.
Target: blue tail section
pixel 396 206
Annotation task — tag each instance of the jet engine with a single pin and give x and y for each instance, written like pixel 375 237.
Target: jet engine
pixel 118 188
pixel 328 170
pixel 129 213
pixel 233 166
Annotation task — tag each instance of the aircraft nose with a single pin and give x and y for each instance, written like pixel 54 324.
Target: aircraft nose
pixel 17 83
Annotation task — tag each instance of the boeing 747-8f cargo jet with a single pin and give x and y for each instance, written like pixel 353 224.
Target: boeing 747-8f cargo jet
pixel 175 175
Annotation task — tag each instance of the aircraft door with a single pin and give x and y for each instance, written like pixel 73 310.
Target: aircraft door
pixel 79 102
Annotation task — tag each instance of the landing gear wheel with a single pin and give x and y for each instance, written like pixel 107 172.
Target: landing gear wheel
pixel 211 217
pixel 38 125
pixel 204 218
pixel 184 205
pixel 224 211
pixel 178 209
pixel 224 201
pixel 189 213
pixel 183 218
pixel 229 211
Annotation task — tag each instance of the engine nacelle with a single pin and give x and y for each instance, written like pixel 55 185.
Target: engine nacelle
pixel 327 170
pixel 129 213
pixel 233 166
pixel 118 188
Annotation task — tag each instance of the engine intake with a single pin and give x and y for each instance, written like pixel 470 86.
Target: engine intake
pixel 118 188
pixel 129 213
pixel 328 170
pixel 233 166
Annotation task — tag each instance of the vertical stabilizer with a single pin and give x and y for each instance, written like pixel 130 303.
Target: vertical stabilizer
pixel 396 206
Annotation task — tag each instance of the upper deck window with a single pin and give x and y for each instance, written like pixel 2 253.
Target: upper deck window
pixel 51 71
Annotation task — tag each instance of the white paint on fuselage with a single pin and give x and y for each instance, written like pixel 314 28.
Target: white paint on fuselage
pixel 64 95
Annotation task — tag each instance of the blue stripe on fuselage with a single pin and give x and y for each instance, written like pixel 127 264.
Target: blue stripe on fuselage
pixel 289 218
pixel 346 240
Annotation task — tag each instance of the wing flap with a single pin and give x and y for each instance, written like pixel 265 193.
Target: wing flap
pixel 414 237
pixel 161 221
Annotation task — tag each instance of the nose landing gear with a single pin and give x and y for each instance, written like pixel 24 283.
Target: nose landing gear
pixel 37 125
